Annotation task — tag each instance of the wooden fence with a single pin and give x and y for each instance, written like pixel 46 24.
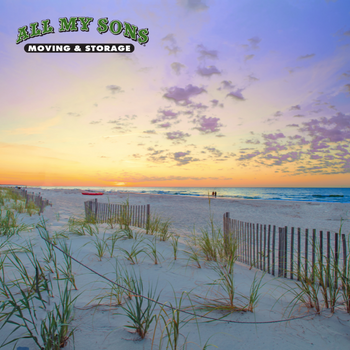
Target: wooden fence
pixel 285 252
pixel 132 215
pixel 37 199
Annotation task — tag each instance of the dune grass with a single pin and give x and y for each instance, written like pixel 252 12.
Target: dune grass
pixel 140 311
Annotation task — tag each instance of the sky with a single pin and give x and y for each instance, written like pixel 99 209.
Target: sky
pixel 225 93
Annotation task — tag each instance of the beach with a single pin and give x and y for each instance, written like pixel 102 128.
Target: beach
pixel 103 326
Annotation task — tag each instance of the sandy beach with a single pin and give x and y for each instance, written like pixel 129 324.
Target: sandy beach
pixel 103 326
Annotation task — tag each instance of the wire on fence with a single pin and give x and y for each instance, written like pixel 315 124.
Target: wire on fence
pixel 184 311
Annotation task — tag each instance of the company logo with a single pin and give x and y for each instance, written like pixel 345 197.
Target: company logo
pixel 74 24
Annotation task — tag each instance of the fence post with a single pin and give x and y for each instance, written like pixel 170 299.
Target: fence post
pixel 226 229
pixel 148 217
pixel 281 252
pixel 96 209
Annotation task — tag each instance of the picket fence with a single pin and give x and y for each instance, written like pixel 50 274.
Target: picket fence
pixel 37 199
pixel 135 215
pixel 285 252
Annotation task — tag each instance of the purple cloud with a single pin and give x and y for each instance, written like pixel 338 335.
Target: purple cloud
pixel 183 94
pixel 236 95
pixel 295 108
pixel 249 156
pixel 208 71
pixel 176 67
pixel 205 53
pixel 248 57
pixel 306 56
pixel 334 129
pixel 273 136
pixel 177 136
pixel 208 125
pixel 182 158
pixel 226 85
pixel 165 125
pixel 164 115
pixel 172 48
pixel 254 41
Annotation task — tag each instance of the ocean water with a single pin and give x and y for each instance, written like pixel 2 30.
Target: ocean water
pixel 340 195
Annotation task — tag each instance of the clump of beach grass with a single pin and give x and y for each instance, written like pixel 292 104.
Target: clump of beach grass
pixel 134 252
pixel 114 292
pixel 175 244
pixel 9 225
pixel 153 253
pixel 140 311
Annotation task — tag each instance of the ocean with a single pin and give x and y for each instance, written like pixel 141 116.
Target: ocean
pixel 340 195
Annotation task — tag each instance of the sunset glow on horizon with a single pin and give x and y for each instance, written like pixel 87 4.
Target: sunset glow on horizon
pixel 224 94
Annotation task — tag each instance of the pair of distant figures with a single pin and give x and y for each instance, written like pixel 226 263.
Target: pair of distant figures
pixel 213 194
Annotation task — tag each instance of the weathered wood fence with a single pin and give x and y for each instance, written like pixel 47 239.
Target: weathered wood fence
pixel 37 199
pixel 288 252
pixel 132 215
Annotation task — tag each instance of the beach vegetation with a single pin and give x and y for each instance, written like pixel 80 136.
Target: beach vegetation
pixel 175 245
pixel 114 291
pixel 100 245
pixel 134 252
pixel 153 253
pixel 67 269
pixel 140 311
pixel 9 224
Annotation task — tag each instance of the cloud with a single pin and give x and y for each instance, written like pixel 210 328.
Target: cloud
pixel 164 125
pixel 295 108
pixel 226 85
pixel 236 95
pixel 183 94
pixel 347 88
pixel 306 57
pixel 299 116
pixel 278 114
pixel 248 156
pixel 177 136
pixel 334 129
pixel 207 71
pixel 254 142
pixel 205 53
pixel 273 136
pixel 176 67
pixel 207 125
pixel 292 125
pixel 214 152
pixel 114 89
pixel 199 106
pixel 252 78
pixel 95 122
pixel 194 5
pixel 248 57
pixel 72 114
pixel 254 41
pixel 151 132
pixel 173 48
pixel 182 158
pixel 346 75
pixel 164 115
